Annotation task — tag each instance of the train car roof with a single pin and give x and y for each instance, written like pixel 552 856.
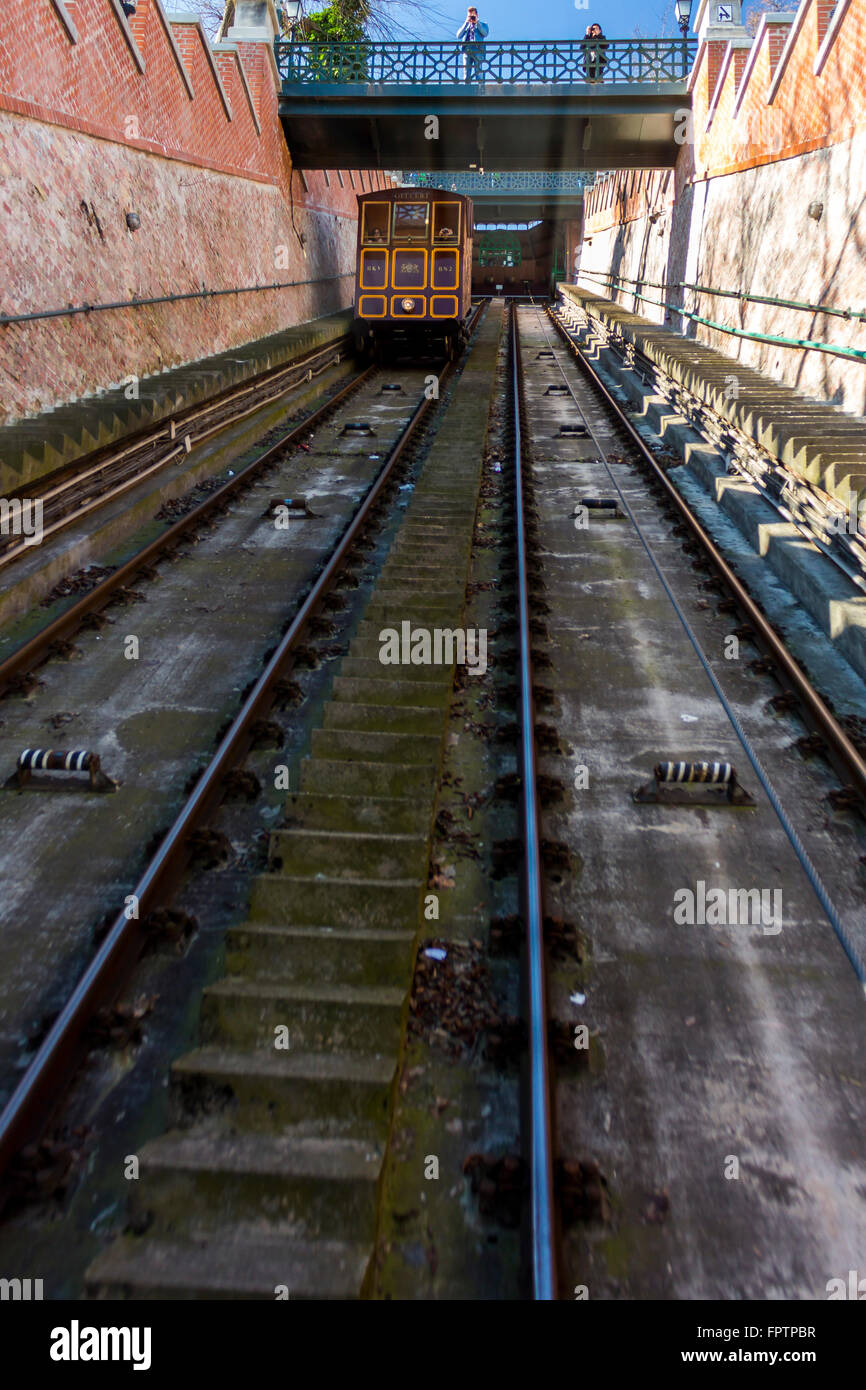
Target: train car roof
pixel 413 194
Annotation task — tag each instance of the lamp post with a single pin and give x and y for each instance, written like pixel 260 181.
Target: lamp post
pixel 291 11
pixel 684 11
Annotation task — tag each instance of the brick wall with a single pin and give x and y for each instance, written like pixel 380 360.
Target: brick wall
pixel 771 138
pixel 100 117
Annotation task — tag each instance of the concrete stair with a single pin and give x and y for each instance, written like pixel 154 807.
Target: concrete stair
pixel 326 955
pixel 245 1266
pixel 332 1017
pixel 325 1092
pixel 325 1185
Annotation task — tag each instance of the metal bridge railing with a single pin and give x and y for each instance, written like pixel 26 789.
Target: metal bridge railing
pixel 524 62
pixel 505 181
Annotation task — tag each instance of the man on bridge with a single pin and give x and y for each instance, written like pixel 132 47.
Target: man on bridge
pixel 472 32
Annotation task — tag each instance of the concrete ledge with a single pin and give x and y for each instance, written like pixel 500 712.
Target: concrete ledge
pixel 820 588
pixel 39 445
pixel 825 446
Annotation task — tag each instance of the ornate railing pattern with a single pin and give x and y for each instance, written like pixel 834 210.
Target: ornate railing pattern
pixel 525 62
pixel 494 181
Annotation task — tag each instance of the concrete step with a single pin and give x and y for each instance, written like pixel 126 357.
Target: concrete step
pixel 414 584
pixel 320 955
pixel 353 746
pixel 335 776
pixel 369 629
pixel 395 815
pixel 382 718
pixel 319 1018
pixel 391 693
pixel 271 1090
pixel 198 1180
pixel 229 1266
pixel 363 663
pixel 418 609
pixel 281 900
pixel 314 854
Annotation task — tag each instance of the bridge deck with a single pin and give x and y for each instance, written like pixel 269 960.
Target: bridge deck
pixel 529 106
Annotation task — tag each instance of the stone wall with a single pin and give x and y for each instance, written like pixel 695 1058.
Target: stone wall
pixel 100 117
pixel 768 196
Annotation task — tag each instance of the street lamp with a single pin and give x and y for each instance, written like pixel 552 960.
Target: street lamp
pixel 291 11
pixel 684 10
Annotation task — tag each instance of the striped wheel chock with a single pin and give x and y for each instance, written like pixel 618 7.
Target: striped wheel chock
pixel 52 760
pixel 677 782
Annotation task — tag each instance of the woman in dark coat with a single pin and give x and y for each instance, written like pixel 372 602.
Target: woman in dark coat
pixel 595 52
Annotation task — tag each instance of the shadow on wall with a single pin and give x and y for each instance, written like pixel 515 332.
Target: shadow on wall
pixel 763 239
pixel 682 214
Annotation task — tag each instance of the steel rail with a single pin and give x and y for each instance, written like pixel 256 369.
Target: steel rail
pixel 541 1170
pixel 39 1090
pixel 805 691
pixel 780 340
pixel 35 651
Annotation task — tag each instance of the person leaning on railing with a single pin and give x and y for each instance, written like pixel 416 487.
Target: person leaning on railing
pixel 472 34
pixel 594 53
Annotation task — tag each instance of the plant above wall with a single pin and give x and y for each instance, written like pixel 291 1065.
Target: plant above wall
pixel 351 21
pixel 342 21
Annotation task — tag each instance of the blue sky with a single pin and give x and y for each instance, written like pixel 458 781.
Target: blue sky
pixel 515 19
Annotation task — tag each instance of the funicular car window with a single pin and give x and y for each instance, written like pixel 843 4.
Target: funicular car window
pixel 410 221
pixel 446 222
pixel 375 223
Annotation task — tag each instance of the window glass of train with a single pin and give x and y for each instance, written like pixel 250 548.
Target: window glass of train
pixel 374 224
pixel 446 222
pixel 410 221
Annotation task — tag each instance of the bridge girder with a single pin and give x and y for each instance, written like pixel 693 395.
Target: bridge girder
pixel 363 126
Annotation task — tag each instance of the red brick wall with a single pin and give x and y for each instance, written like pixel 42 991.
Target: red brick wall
pixel 808 112
pixel 734 214
pixel 85 137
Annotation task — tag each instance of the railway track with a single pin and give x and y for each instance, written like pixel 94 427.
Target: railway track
pixel 18 668
pixel 286 1155
pixel 641 683
pixel 386 429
